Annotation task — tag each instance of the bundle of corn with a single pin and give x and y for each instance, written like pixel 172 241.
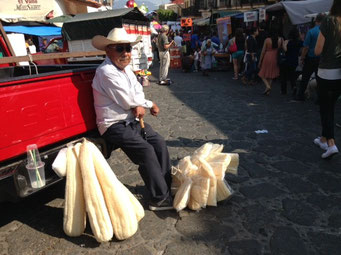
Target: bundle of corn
pixel 92 186
pixel 198 180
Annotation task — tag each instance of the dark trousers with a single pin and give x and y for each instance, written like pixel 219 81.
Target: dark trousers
pixel 151 155
pixel 310 66
pixel 250 72
pixel 328 91
pixel 287 73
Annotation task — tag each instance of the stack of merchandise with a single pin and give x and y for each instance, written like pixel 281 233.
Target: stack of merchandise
pixel 199 180
pixel 93 188
pixel 142 77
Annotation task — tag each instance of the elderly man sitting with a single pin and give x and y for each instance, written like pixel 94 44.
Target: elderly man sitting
pixel 119 104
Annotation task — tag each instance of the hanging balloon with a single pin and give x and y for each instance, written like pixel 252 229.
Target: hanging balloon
pixel 130 4
pixel 135 4
pixel 143 9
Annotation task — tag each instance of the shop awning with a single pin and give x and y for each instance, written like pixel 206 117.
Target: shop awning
pixel 37 30
pixel 201 22
pixel 296 10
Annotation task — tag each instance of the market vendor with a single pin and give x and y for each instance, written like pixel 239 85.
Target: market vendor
pixel 119 104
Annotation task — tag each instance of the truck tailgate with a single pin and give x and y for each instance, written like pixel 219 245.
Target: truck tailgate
pixel 45 110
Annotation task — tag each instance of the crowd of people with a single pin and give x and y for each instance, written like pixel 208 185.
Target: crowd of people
pixel 258 54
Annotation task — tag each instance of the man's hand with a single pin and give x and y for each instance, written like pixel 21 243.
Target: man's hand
pixel 154 110
pixel 139 111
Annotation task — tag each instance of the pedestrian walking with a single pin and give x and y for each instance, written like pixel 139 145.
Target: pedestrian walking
pixel 268 65
pixel 329 76
pixel 119 102
pixel 237 56
pixel 308 58
pixel 196 59
pixel 163 47
pixel 292 48
pixel 250 57
pixel 207 52
pixel 178 39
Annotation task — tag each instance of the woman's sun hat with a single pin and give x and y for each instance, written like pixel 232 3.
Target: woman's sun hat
pixel 115 36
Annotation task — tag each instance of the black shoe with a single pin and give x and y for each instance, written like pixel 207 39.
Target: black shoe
pixel 166 204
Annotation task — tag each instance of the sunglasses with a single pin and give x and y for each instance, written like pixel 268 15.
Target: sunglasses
pixel 121 48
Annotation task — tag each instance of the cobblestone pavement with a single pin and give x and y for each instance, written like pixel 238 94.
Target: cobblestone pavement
pixel 287 199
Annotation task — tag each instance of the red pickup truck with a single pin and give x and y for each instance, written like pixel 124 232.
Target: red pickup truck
pixel 44 105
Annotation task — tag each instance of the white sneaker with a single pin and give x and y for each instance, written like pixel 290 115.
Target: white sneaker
pixel 323 146
pixel 331 151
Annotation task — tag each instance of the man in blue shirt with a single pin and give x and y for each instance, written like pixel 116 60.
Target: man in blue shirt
pixel 309 59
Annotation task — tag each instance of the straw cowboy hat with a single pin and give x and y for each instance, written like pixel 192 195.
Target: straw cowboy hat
pixel 115 36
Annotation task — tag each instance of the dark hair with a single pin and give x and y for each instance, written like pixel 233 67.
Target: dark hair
pixel 252 30
pixel 293 34
pixel 239 34
pixel 335 10
pixel 319 17
pixel 274 36
pixel 262 25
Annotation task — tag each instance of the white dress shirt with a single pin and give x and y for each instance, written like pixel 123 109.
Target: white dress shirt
pixel 115 93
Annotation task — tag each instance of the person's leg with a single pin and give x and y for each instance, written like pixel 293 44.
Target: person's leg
pixel 284 78
pixel 328 96
pixel 267 86
pixel 142 153
pixel 235 68
pixel 162 76
pixel 167 59
pixel 292 76
pixel 161 150
pixel 333 94
pixel 307 71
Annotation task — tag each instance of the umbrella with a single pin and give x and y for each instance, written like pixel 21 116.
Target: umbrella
pixel 59 19
pixel 156 25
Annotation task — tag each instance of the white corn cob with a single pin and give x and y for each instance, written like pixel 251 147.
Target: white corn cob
pixel 224 191
pixel 182 195
pixel 233 166
pixel 201 152
pixel 216 149
pixel 199 192
pixel 207 171
pixel 74 221
pixel 95 205
pixel 121 210
pixel 187 167
pixel 59 164
pixel 177 177
pixel 101 162
pixel 219 169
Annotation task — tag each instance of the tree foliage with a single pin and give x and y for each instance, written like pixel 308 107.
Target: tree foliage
pixel 167 15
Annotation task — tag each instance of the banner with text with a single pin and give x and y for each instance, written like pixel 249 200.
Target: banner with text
pixel 250 16
pixel 17 10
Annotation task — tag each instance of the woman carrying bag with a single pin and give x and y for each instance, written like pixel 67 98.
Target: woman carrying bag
pixel 237 47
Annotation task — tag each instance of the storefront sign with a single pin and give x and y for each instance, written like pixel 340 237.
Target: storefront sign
pixel 186 22
pixel 26 9
pixel 186 37
pixel 250 16
pixel 224 29
pixel 261 14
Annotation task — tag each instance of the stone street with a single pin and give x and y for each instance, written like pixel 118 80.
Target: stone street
pixel 287 199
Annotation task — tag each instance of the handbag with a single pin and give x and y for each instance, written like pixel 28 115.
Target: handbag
pixel 233 47
pixel 281 56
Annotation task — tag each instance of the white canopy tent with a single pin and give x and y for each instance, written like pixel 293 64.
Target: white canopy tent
pixel 297 10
